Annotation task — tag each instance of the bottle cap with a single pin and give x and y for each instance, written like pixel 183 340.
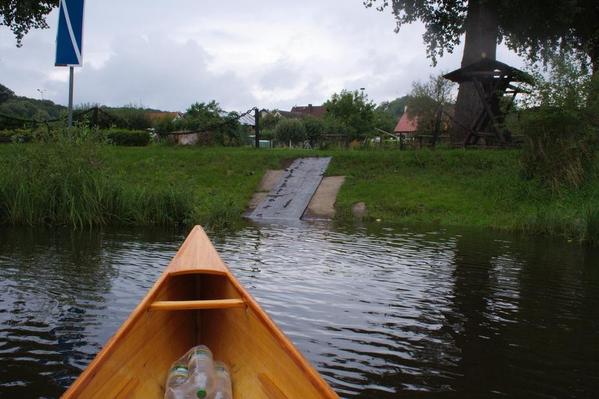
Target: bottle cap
pixel 201 393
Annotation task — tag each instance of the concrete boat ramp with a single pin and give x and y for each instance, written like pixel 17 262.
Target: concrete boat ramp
pixel 291 195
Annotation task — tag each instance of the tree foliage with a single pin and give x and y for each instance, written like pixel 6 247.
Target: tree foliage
pixel 538 29
pixel 208 118
pixel 560 124
pixel 384 120
pixel 533 28
pixel 5 93
pixel 395 107
pixel 353 110
pixel 314 129
pixel 444 21
pixel 428 98
pixel 290 131
pixel 20 16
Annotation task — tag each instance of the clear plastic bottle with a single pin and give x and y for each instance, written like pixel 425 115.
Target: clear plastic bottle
pixel 175 382
pixel 201 373
pixel 222 382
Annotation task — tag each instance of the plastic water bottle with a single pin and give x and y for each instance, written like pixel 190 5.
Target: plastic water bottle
pixel 222 382
pixel 177 377
pixel 201 373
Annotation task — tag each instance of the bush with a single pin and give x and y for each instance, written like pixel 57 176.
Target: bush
pixel 314 129
pixel 354 110
pixel 267 134
pixel 290 131
pixel 134 118
pixel 132 138
pixel 559 130
pixel 17 135
pixel 559 147
pixel 6 136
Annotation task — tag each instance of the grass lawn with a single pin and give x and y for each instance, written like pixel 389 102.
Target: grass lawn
pixel 462 188
pixel 212 185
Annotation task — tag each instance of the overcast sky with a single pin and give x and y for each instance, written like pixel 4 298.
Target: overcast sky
pixel 271 54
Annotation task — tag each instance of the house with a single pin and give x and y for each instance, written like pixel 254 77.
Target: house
pixel 162 115
pixel 317 111
pixel 408 126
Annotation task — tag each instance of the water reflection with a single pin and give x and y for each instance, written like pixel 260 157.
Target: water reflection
pixel 382 312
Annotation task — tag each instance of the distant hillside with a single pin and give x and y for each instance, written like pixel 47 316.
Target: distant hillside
pixel 14 106
pixel 27 108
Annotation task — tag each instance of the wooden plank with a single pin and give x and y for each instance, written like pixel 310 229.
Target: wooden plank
pixel 202 304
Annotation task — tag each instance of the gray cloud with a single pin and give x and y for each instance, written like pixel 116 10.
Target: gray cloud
pixel 160 73
pixel 275 55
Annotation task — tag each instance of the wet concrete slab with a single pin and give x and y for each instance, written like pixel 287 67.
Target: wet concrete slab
pixel 322 205
pixel 291 195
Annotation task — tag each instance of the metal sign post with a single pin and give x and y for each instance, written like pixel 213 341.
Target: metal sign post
pixel 71 84
pixel 257 127
pixel 69 42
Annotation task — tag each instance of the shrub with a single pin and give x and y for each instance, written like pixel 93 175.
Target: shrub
pixel 314 129
pixel 560 134
pixel 267 134
pixel 133 117
pixel 6 136
pixel 558 147
pixel 290 131
pixel 354 110
pixel 18 135
pixel 132 138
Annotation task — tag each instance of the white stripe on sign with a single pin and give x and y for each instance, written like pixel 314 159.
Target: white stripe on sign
pixel 70 28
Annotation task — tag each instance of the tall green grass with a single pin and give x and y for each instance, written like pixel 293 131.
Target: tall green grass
pixel 86 184
pixel 68 183
pixel 82 183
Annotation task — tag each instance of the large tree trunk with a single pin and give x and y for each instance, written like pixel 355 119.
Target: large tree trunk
pixel 482 29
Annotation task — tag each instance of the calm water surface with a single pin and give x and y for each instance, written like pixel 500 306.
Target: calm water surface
pixel 381 312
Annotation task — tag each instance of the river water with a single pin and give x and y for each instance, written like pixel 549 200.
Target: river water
pixel 381 312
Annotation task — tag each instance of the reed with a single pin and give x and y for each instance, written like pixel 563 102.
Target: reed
pixel 68 183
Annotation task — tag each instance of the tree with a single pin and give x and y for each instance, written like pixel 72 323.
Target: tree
pixel 5 93
pixel 534 28
pixel 20 16
pixel 445 22
pixel 352 110
pixel 395 107
pixel 314 129
pixel 428 98
pixel 290 131
pixel 564 26
pixel 384 120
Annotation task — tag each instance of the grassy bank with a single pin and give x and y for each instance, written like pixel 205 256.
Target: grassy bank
pixel 211 186
pixel 85 185
pixel 463 188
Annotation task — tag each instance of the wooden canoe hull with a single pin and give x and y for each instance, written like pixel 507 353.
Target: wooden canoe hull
pixel 198 301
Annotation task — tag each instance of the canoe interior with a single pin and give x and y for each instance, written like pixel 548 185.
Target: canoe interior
pixel 135 362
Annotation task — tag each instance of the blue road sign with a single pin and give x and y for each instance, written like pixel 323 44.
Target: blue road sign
pixel 69 39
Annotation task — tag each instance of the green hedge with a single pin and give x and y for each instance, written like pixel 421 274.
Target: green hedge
pixel 131 138
pixel 16 135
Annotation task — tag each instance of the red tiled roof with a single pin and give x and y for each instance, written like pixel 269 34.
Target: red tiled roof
pixel 313 110
pixel 159 115
pixel 406 124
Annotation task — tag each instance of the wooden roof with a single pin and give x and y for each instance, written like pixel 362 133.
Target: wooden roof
pixel 487 68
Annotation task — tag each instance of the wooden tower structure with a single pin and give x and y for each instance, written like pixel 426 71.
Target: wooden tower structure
pixel 494 84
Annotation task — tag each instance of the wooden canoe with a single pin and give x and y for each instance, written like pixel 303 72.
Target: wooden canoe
pixel 198 301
